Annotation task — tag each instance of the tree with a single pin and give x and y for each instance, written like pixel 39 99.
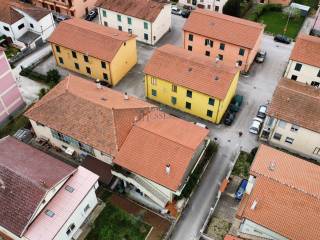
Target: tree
pixel 53 77
pixel 232 8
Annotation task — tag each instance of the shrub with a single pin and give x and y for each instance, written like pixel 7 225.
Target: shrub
pixel 53 77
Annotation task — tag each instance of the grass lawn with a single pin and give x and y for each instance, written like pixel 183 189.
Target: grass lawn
pixel 115 224
pixel 13 126
pixel 276 21
pixel 218 228
pixel 11 51
pixel 243 163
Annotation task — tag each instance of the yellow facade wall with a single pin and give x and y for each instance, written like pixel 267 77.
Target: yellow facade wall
pixel 199 101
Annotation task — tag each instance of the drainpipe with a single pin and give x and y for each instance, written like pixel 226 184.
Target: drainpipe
pixel 151 33
pixel 218 111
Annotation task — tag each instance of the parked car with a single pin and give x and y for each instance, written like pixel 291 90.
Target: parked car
pixel 282 39
pixel 229 118
pixel 61 18
pixel 255 126
pixel 175 10
pixel 261 56
pixel 187 7
pixel 236 103
pixel 262 112
pixel 92 15
pixel 185 13
pixel 241 189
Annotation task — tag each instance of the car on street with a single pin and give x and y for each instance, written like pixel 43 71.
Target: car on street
pixel 61 18
pixel 185 13
pixel 229 118
pixel 241 189
pixel 282 39
pixel 92 15
pixel 175 10
pixel 236 103
pixel 261 56
pixel 262 112
pixel 255 125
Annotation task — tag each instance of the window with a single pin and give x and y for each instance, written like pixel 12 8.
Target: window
pixel 239 63
pixel 282 124
pixel 74 54
pixel 146 37
pixel 294 128
pixel 241 52
pixel 129 21
pixel 31 25
pixel 318 74
pixel 154 92
pixel 216 8
pixel 208 42
pixel 60 60
pixel 294 77
pixel 211 101
pixel 315 84
pixel 129 30
pixel 86 148
pixel 57 48
pixel 119 28
pixel 21 26
pixel 76 65
pixel 220 57
pixel 49 213
pixel 105 23
pixel 174 88
pixel 86 58
pixel 298 67
pixel 70 228
pixel 69 188
pixel 209 113
pixel 222 46
pixel 189 93
pixel 88 70
pixel 6 28
pixel 153 81
pixel 103 65
pixel 174 100
pixel 105 76
pixel 190 48
pixel 86 208
pixel 145 25
pixel 188 105
pixel 316 151
pixel 190 37
pixel 208 53
pixel 277 136
pixel 119 17
pixel 289 140
pixel 104 13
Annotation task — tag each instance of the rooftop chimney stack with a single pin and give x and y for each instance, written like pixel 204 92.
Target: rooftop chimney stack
pixel 126 97
pixel 98 84
pixel 272 166
pixel 254 205
pixel 168 168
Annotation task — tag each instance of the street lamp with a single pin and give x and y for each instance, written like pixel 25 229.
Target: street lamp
pixel 287 23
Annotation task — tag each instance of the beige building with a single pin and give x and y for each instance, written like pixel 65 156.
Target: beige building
pixel 304 62
pixel 293 119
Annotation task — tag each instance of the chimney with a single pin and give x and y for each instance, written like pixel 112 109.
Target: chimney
pixel 254 205
pixel 272 166
pixel 125 96
pixel 168 168
pixel 98 84
pixel 217 59
pixel 2 185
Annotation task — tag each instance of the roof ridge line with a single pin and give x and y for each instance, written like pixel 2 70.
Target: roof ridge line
pixel 302 93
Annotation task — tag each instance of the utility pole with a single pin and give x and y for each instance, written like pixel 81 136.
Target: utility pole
pixel 286 27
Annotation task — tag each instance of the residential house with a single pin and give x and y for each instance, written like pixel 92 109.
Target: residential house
pixel 292 119
pixel 71 8
pixel 24 24
pixel 149 20
pixel 304 62
pixel 282 198
pixel 41 197
pixel 190 82
pixel 10 97
pixel 143 145
pixel 213 5
pixel 234 41
pixel 93 50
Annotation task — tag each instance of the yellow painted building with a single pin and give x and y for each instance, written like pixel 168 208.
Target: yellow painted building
pixel 190 82
pixel 93 50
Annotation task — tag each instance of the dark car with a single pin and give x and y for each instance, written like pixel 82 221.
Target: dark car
pixel 185 13
pixel 61 18
pixel 261 56
pixel 241 189
pixel 229 118
pixel 92 15
pixel 282 39
pixel 236 103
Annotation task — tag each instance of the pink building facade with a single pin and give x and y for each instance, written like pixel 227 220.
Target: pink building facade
pixel 10 97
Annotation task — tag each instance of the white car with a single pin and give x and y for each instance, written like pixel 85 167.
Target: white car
pixel 255 125
pixel 175 10
pixel 262 112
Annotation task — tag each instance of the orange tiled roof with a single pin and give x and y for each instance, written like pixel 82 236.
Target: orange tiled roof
pixel 159 139
pixel 225 28
pixel 290 96
pixel 101 118
pixel 191 70
pixel 143 9
pixel 307 50
pixel 89 38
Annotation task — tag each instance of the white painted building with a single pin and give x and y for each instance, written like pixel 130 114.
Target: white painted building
pixel 304 62
pixel 149 20
pixel 212 5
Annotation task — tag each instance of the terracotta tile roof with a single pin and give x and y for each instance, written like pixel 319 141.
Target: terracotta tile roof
pixel 225 28
pixel 26 174
pixel 290 96
pixel 156 141
pixel 307 50
pixel 101 118
pixel 89 38
pixel 230 237
pixel 191 70
pixel 143 9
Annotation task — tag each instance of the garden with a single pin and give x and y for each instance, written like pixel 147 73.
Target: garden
pixel 243 163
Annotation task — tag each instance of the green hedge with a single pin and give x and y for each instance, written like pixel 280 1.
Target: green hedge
pixel 259 9
pixel 51 79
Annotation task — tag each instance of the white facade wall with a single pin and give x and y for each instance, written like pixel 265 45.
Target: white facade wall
pixel 14 31
pixel 213 5
pixel 162 24
pixel 307 73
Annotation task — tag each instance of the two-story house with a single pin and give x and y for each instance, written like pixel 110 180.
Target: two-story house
pixel 282 198
pixel 149 20
pixel 190 82
pixel 42 197
pixel 304 62
pixel 71 8
pixel 292 119
pixel 146 149
pixel 10 96
pixel 93 50
pixel 233 41
pixel 24 24
pixel 212 5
